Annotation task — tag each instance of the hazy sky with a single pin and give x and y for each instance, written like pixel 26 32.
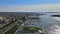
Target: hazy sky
pixel 29 5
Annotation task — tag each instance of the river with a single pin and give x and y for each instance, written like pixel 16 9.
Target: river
pixel 51 25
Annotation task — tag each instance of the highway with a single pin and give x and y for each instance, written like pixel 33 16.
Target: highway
pixel 8 27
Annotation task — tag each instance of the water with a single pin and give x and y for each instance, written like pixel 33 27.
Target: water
pixel 51 25
pixel 55 29
pixel 48 23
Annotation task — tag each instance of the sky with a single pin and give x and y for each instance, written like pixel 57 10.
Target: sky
pixel 29 5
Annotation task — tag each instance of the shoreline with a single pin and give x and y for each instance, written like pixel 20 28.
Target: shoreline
pixel 55 15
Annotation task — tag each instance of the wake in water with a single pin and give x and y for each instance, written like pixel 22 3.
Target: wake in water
pixel 55 29
pixel 57 18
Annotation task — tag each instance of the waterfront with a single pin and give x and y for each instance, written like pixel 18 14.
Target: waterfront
pixel 46 22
